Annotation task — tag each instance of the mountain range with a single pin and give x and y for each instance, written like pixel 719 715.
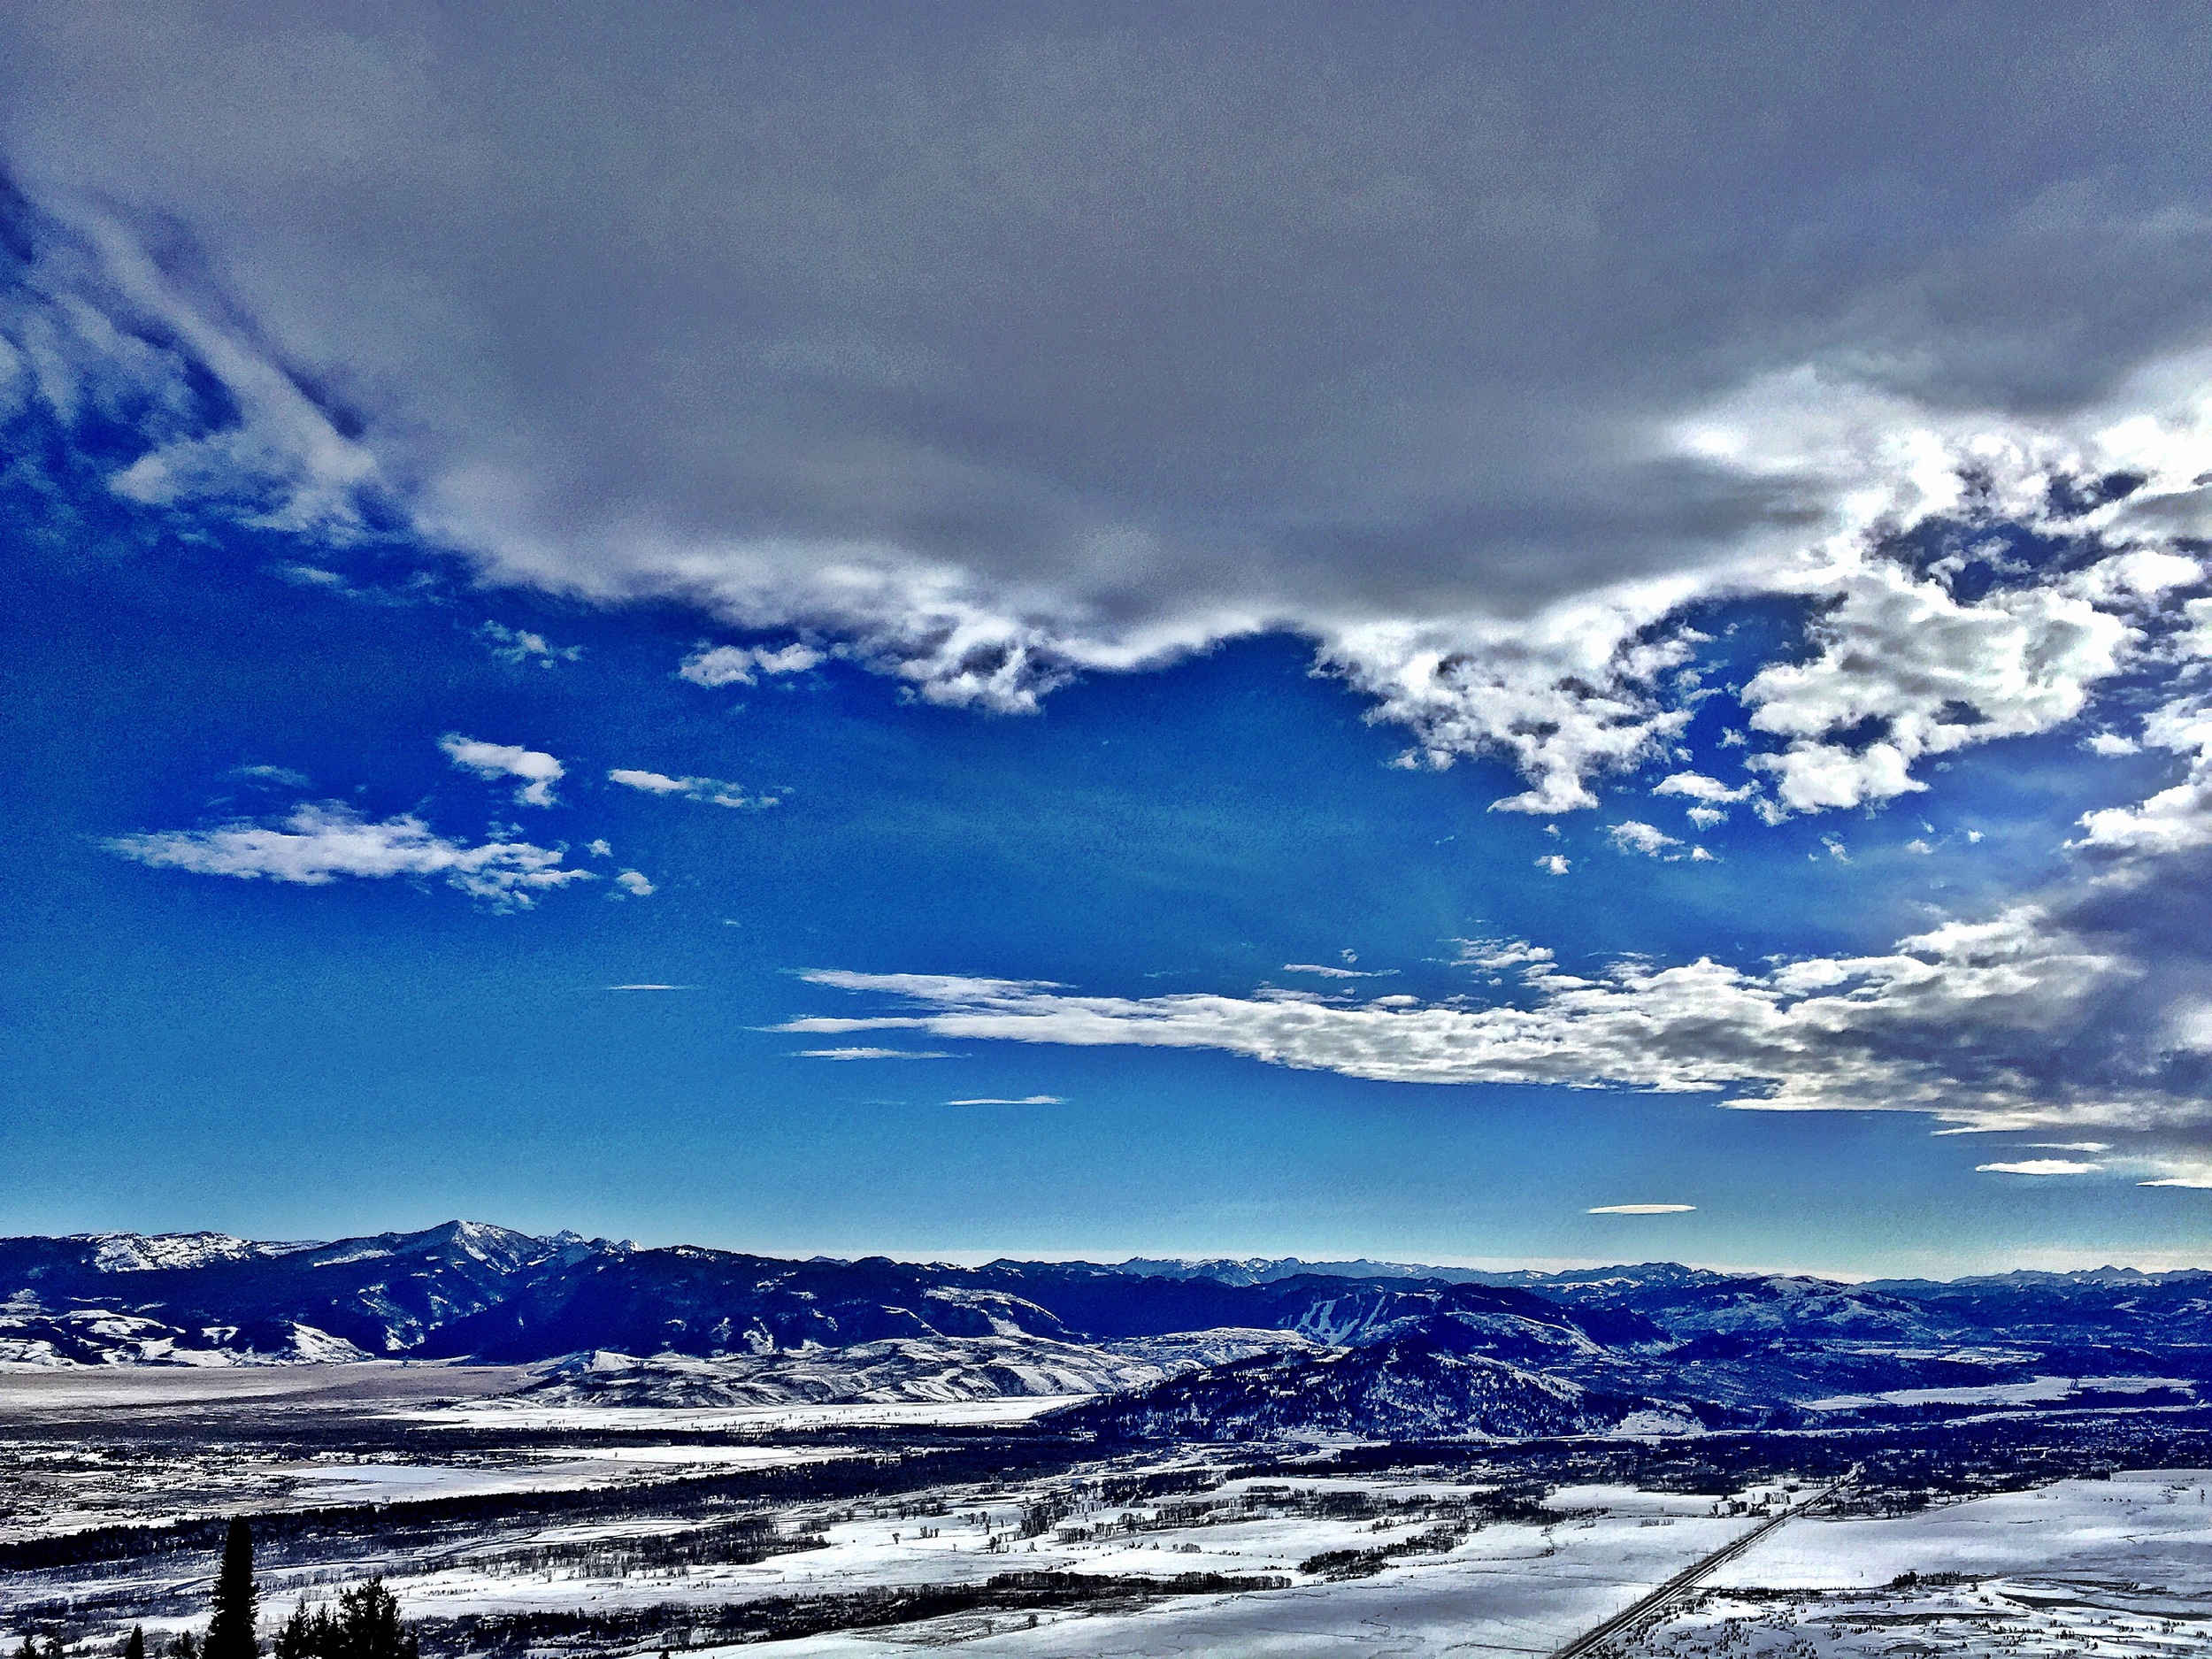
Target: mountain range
pixel 1199 1349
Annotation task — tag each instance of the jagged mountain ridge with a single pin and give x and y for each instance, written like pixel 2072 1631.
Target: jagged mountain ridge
pixel 1415 1386
pixel 1704 1339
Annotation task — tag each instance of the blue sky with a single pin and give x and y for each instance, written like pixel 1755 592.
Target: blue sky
pixel 1303 821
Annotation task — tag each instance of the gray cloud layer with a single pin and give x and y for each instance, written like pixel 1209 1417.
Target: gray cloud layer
pixel 996 344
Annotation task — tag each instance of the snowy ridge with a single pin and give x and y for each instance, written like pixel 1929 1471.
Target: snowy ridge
pixel 905 1369
pixel 158 1252
pixel 32 1338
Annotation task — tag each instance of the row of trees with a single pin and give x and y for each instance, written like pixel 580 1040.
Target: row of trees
pixel 365 1623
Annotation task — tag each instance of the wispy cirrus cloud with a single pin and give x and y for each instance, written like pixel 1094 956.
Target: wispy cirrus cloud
pixel 319 842
pixel 2030 1019
pixel 712 790
pixel 873 1054
pixel 2039 1166
pixel 519 646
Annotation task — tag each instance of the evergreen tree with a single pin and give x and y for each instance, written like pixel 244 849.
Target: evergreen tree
pixel 184 1644
pixel 29 1650
pixel 135 1647
pixel 306 1635
pixel 230 1633
pixel 365 1625
pixel 369 1618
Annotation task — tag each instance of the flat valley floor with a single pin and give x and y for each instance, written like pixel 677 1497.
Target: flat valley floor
pixel 878 1530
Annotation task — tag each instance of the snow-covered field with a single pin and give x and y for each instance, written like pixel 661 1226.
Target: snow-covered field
pixel 1516 1588
pixel 527 1417
pixel 2118 1569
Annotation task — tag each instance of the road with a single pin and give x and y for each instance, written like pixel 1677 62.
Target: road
pixel 1591 1641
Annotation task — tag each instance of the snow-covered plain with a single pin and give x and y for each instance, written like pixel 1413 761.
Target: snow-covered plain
pixel 1514 1587
pixel 2120 1568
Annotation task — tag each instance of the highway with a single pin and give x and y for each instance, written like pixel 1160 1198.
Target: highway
pixel 1591 1641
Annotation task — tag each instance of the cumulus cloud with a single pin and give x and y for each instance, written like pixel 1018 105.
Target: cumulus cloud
pixel 1553 863
pixel 1910 669
pixel 320 841
pixel 2174 820
pixel 713 791
pixel 635 885
pixel 741 665
pixel 539 771
pixel 1128 342
pixel 1632 836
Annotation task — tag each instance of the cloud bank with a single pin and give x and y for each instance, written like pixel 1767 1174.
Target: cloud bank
pixel 1478 350
pixel 2087 1006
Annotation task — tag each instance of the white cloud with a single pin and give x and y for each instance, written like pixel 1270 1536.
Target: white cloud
pixel 1553 864
pixel 635 884
pixel 1496 955
pixel 320 841
pixel 742 665
pixel 1328 972
pixel 648 987
pixel 1930 673
pixel 1708 791
pixel 1491 532
pixel 283 776
pixel 2041 1166
pixel 1806 1035
pixel 1836 849
pixel 1025 1100
pixel 651 782
pixel 600 850
pixel 712 790
pixel 1566 695
pixel 539 771
pixel 1641 1209
pixel 2175 820
pixel 2110 744
pixel 519 646
pixel 873 1054
pixel 1632 836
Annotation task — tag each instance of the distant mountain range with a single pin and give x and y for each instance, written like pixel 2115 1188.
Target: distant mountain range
pixel 1201 1350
